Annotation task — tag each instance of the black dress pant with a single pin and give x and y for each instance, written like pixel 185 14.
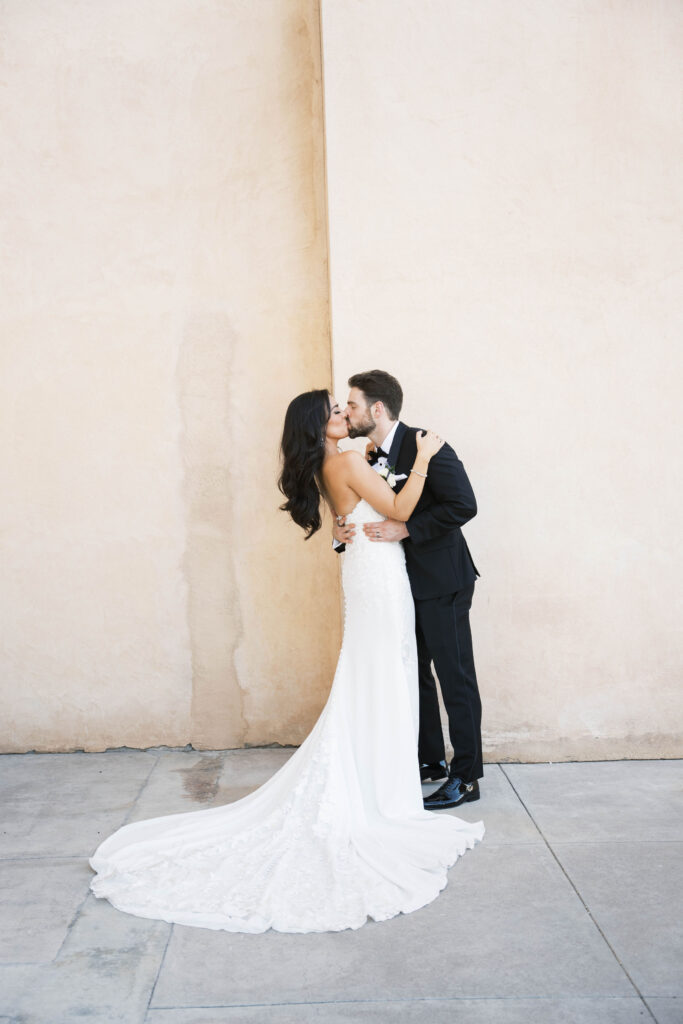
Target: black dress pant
pixel 442 625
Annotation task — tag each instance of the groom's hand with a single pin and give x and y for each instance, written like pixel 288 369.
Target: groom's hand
pixel 390 529
pixel 343 532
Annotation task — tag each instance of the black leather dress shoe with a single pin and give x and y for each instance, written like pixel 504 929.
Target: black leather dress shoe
pixel 452 793
pixel 433 772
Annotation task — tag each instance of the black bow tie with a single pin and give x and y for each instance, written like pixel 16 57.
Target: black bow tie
pixel 375 456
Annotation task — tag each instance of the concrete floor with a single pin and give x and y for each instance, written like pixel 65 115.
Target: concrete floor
pixel 569 912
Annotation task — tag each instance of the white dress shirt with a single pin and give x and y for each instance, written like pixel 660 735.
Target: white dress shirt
pixel 386 447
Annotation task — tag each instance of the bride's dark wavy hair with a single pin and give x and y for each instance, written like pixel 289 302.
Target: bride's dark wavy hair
pixel 302 451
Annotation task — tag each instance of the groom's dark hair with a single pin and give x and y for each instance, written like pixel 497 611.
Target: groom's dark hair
pixel 379 386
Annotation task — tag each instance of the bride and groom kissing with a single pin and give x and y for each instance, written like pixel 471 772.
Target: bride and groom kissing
pixel 340 833
pixel 442 576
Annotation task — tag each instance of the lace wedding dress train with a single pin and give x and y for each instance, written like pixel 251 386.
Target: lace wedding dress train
pixel 339 833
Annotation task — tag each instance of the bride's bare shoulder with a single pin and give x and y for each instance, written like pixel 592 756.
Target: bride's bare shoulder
pixel 355 462
pixel 341 463
pixel 341 469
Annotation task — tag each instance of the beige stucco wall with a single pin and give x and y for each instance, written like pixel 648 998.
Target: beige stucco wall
pixel 165 294
pixel 505 209
pixel 504 198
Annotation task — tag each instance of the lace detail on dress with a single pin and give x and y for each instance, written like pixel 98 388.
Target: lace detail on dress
pixel 339 833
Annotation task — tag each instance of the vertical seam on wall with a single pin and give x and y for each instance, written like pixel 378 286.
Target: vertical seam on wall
pixel 327 242
pixel 326 188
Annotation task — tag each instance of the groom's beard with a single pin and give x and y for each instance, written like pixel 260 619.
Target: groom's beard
pixel 365 427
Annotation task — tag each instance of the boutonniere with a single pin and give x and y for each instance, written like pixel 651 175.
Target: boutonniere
pixel 389 474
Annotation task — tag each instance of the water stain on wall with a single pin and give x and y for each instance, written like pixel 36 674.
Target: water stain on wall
pixel 204 373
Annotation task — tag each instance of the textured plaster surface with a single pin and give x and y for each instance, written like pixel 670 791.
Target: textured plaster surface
pixel 165 294
pixel 505 203
pixel 504 206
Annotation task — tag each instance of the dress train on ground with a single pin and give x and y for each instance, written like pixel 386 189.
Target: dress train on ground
pixel 339 834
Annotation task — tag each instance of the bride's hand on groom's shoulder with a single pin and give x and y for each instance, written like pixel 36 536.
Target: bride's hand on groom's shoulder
pixel 428 443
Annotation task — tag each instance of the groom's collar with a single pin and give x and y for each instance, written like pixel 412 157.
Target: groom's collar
pixel 389 439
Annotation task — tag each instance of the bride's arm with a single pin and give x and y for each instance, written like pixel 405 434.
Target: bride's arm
pixel 370 485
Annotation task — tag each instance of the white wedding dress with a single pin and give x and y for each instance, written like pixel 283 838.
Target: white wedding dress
pixel 339 833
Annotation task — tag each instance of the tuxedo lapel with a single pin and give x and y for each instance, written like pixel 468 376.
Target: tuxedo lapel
pixel 392 457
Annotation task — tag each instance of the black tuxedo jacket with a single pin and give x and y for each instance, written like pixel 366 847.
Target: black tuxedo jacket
pixel 437 557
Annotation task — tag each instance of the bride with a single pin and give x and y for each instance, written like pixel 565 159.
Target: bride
pixel 339 834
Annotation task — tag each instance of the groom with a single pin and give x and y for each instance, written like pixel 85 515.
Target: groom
pixel 442 575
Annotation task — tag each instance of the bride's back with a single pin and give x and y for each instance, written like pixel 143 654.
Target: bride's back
pixel 340 495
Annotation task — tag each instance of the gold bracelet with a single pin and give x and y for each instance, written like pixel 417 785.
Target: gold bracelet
pixel 423 475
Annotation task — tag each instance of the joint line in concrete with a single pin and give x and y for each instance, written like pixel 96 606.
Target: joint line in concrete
pixel 158 974
pixel 585 905
pixel 141 790
pixel 80 906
